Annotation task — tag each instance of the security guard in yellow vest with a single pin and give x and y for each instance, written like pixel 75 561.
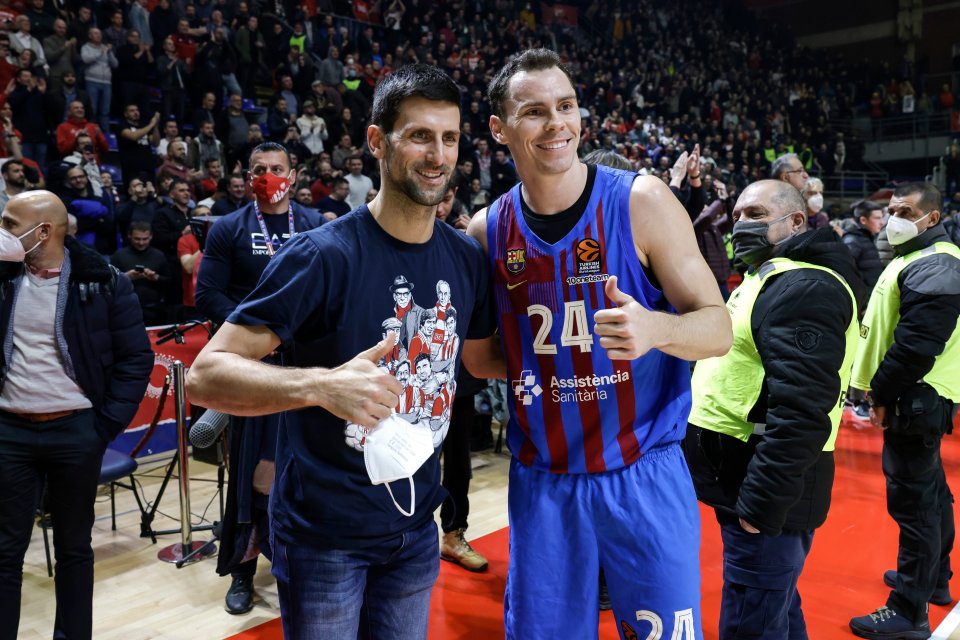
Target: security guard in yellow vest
pixel 909 361
pixel 765 415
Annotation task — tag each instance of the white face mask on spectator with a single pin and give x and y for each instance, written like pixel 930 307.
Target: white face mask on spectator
pixel 900 230
pixel 815 202
pixel 11 249
pixel 394 450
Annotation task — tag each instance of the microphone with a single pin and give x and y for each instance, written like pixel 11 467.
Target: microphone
pixel 210 425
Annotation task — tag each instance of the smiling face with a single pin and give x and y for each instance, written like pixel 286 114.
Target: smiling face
pixel 541 123
pixel 418 155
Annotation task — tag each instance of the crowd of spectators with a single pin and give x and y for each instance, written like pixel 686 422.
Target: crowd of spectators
pixel 136 112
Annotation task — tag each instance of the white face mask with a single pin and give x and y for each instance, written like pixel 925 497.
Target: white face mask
pixel 900 230
pixel 11 249
pixel 394 450
pixel 815 202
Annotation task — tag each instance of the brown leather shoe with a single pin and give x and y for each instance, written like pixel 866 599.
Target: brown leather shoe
pixel 456 549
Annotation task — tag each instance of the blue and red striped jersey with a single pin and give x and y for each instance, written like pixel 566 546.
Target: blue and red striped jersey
pixel 574 410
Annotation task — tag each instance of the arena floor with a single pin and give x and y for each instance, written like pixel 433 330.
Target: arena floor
pixel 138 597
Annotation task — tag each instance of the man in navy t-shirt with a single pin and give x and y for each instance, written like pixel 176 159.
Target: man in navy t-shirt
pixel 343 545
pixel 238 249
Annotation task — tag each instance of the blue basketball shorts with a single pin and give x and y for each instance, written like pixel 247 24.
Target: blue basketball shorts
pixel 640 523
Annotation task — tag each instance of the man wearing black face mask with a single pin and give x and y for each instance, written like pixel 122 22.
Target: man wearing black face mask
pixel 909 360
pixel 765 415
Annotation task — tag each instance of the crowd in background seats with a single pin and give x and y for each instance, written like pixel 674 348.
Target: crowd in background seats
pixel 143 110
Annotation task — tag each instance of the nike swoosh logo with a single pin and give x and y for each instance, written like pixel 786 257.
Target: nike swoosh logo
pixel 511 287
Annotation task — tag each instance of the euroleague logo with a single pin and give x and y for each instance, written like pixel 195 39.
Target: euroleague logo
pixel 588 256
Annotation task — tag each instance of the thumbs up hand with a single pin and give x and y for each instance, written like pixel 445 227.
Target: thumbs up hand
pixel 361 392
pixel 626 331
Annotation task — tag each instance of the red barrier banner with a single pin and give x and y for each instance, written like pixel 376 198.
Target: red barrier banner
pixel 164 355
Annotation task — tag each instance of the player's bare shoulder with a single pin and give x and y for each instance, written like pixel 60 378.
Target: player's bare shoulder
pixel 477 229
pixel 656 216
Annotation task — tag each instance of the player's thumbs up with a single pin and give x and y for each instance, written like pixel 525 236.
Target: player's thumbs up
pixel 380 350
pixel 613 292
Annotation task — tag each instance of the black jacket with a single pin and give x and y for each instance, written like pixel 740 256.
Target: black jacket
pixel 929 309
pixel 863 248
pixel 104 335
pixel 783 478
pixel 168 225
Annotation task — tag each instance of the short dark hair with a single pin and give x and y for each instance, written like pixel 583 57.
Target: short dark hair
pixel 420 358
pixel 409 81
pixel 210 161
pixel 339 182
pixel 5 170
pixel 608 159
pixel 529 60
pixel 139 225
pixel 930 197
pixel 863 208
pixel 271 147
pixel 177 182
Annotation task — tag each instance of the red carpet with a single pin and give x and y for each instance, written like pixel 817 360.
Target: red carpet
pixel 842 578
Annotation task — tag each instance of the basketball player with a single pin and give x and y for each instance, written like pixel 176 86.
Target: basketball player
pixel 601 296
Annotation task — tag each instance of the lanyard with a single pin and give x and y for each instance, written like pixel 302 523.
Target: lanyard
pixel 266 234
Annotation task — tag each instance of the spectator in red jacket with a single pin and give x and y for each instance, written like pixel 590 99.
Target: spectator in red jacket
pixel 77 122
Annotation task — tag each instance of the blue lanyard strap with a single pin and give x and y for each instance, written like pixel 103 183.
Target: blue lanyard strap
pixel 271 248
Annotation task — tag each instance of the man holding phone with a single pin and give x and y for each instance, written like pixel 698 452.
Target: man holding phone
pixel 146 267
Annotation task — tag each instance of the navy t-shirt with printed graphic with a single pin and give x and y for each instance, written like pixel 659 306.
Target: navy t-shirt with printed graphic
pixel 236 254
pixel 331 293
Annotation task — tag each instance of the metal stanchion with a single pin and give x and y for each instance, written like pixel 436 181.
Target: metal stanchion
pixel 187 550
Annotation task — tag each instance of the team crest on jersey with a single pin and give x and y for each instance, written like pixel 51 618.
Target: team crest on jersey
pixel 588 256
pixel 515 260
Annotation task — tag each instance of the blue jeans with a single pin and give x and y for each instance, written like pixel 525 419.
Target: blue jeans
pixel 760 598
pixel 100 103
pixel 230 84
pixel 382 592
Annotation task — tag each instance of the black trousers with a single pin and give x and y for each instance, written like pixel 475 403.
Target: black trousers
pixel 456 465
pixel 67 454
pixel 920 501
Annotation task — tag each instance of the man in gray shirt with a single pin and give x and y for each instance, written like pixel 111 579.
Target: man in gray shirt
pixel 75 364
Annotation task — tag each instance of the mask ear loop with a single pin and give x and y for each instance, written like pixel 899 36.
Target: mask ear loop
pixel 413 500
pixel 28 233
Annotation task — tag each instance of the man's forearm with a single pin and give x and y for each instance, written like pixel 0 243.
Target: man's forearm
pixel 255 388
pixel 695 335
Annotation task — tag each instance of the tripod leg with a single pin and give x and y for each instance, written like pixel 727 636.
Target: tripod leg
pixel 146 520
pixel 208 549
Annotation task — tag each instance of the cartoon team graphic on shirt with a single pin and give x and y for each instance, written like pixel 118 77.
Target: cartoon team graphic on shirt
pixel 426 345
